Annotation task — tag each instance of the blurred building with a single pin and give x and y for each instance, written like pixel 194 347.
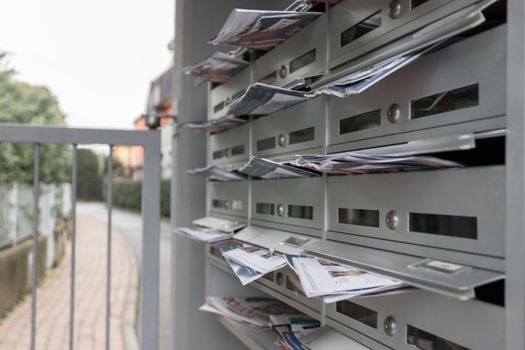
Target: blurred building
pixel 160 102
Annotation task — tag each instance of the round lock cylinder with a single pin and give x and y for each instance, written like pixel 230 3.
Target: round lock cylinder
pixel 390 326
pixel 279 278
pixel 280 210
pixel 392 219
pixel 283 72
pixel 281 140
pixel 395 9
pixel 393 113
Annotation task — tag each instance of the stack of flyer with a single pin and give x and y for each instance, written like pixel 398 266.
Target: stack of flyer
pixel 210 229
pixel 256 312
pixel 333 282
pixel 250 263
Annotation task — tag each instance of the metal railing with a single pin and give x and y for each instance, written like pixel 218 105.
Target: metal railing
pixel 150 141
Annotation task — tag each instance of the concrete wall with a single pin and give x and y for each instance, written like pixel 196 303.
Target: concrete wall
pixel 15 272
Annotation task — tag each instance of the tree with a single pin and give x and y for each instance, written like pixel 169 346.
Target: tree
pixel 89 180
pixel 27 104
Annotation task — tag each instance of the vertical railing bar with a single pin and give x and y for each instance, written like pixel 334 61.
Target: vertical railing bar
pixel 73 247
pixel 36 185
pixel 108 281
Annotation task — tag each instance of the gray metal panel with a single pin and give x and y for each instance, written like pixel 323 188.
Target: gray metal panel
pixel 515 199
pixel 222 95
pixel 271 239
pixel 457 257
pixel 477 126
pixel 285 192
pixel 224 142
pixel 348 13
pixel 328 338
pixel 232 195
pixel 472 324
pixel 478 193
pixel 476 60
pixel 400 267
pixel 312 37
pixel 309 114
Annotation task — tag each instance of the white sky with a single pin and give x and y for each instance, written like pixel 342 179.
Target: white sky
pixel 98 56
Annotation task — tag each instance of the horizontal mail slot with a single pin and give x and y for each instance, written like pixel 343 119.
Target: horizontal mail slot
pixel 459 83
pixel 222 95
pixel 296 202
pixel 229 147
pixel 297 128
pixel 360 26
pixel 302 55
pixel 228 198
pixel 456 209
pixel 423 320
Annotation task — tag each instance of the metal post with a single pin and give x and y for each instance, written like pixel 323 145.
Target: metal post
pixel 150 243
pixel 108 276
pixel 34 278
pixel 73 247
pixel 515 172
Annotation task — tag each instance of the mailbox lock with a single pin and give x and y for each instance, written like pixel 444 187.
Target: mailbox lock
pixel 226 205
pixel 390 326
pixel 393 113
pixel 226 152
pixel 279 278
pixel 281 140
pixel 280 210
pixel 283 72
pixel 394 9
pixel 392 220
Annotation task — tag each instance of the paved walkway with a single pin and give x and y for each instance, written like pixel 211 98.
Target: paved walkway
pixel 53 297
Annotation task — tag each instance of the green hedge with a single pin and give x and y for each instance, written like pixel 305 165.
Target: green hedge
pixel 127 194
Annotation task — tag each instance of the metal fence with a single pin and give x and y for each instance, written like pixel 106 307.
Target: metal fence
pixel 16 211
pixel 5 237
pixel 150 141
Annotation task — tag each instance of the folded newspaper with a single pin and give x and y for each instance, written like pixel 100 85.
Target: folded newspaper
pixel 218 68
pixel 255 312
pixel 215 125
pixel 221 225
pixel 258 259
pixel 261 29
pixel 357 82
pixel 202 234
pixel 262 99
pixel 210 229
pixel 269 169
pixel 402 157
pixel 219 174
pixel 334 282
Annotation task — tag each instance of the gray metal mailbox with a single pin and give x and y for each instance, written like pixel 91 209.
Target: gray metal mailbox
pixel 361 26
pixel 228 198
pixel 298 128
pixel 459 209
pixel 231 147
pixel 422 320
pixel 222 95
pixel 302 55
pixel 296 203
pixel 460 83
